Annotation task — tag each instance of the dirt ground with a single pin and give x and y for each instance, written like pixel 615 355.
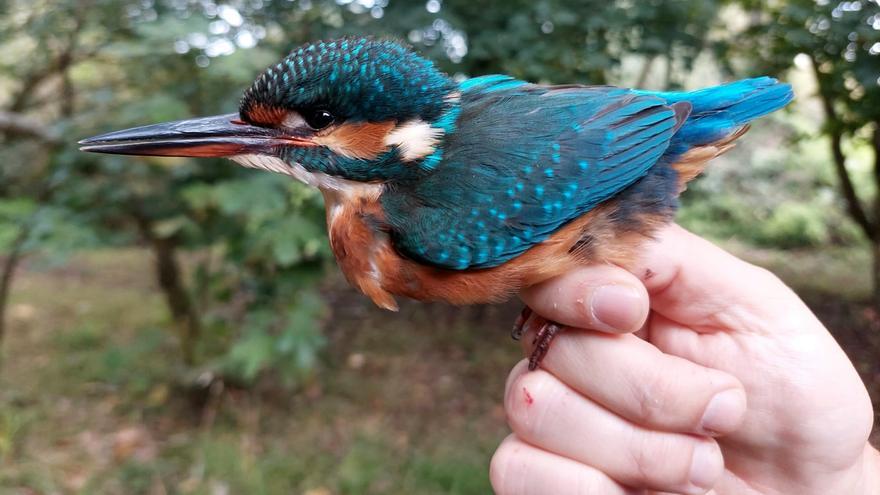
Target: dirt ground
pixel 402 403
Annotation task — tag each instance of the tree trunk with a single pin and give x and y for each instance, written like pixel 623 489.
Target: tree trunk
pixel 6 277
pixel 875 142
pixel 178 299
pixel 15 121
pixel 853 204
pixel 168 274
pixel 834 129
pixel 835 133
pixel 646 71
pixel 875 252
pixel 16 250
pixel 667 75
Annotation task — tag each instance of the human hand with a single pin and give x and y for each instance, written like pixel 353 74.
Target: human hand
pixel 732 386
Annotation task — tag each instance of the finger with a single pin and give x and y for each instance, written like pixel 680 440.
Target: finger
pixel 520 368
pixel 599 297
pixel 674 338
pixel 692 280
pixel 542 411
pixel 518 468
pixel 633 379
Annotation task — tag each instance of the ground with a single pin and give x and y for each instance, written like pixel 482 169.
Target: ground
pixel 402 403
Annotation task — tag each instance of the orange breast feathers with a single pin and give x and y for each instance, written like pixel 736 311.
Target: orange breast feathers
pixel 363 248
pixel 372 265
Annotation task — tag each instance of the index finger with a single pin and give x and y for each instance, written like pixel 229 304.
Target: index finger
pixel 599 297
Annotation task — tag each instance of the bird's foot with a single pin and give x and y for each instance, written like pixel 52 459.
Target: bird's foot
pixel 543 337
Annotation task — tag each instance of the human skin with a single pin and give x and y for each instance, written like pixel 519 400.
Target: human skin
pixel 700 374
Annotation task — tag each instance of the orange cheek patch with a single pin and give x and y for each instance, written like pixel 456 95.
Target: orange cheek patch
pixel 362 140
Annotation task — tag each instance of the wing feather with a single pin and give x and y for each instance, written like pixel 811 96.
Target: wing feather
pixel 524 161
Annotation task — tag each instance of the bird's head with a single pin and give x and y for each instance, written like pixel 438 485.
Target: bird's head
pixel 354 109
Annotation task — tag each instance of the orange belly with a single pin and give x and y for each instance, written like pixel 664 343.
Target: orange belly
pixel 371 263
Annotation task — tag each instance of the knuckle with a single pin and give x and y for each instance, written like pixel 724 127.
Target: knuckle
pixel 764 276
pixel 658 460
pixel 652 398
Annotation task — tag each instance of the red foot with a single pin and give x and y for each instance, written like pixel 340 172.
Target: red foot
pixel 543 337
pixel 542 341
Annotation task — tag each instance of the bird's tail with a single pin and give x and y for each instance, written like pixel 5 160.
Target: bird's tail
pixel 720 111
pixel 718 116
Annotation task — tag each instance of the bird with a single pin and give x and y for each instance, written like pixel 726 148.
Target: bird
pixel 466 191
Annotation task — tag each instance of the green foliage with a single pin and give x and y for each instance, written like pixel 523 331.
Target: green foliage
pixel 13 426
pixel 268 248
pixel 13 212
pixel 452 474
pixel 288 345
pixel 364 469
pixel 252 245
pixel 793 224
pixel 257 241
pixel 840 39
pixel 361 467
pixel 785 197
pixel 838 42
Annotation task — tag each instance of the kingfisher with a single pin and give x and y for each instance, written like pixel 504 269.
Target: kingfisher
pixel 466 191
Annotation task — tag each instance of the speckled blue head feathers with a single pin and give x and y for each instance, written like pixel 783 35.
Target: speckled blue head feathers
pixel 357 79
pixel 363 110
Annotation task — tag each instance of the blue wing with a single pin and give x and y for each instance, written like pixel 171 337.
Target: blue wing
pixel 523 161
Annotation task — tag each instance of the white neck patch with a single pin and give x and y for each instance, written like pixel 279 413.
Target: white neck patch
pixel 320 180
pixel 415 138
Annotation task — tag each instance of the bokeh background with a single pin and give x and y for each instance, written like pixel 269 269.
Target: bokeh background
pixel 178 326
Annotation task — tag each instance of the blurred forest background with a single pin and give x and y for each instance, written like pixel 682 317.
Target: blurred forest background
pixel 178 326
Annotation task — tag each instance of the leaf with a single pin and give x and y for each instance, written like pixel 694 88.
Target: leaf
pixel 169 227
pixel 251 354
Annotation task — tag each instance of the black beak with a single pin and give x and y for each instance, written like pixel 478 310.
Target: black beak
pixel 220 135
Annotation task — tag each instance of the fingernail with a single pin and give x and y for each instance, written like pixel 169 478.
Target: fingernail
pixel 618 307
pixel 706 467
pixel 724 412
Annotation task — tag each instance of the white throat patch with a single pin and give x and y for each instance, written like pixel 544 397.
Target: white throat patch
pixel 320 180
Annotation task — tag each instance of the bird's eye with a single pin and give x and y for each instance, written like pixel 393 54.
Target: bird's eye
pixel 318 118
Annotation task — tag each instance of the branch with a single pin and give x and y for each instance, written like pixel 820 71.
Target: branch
pixel 16 253
pixel 60 64
pixel 169 275
pixel 7 273
pixel 876 145
pixel 12 123
pixel 854 206
pixel 646 71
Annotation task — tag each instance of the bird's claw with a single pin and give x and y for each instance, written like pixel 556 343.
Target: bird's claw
pixel 519 325
pixel 547 330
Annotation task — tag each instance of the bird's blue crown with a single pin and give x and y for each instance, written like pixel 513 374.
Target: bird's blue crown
pixel 357 79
